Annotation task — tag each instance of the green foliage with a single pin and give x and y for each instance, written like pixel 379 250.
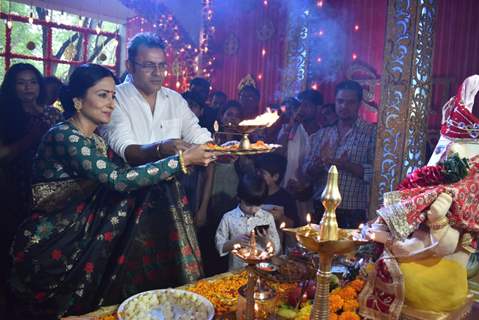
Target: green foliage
pixel 455 168
pixel 62 40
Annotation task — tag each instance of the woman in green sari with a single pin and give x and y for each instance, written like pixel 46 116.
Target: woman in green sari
pixel 99 232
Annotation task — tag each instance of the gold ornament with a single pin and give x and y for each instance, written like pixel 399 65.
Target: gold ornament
pixel 248 80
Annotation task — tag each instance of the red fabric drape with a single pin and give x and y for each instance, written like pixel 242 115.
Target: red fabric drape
pixel 238 23
pixel 456 54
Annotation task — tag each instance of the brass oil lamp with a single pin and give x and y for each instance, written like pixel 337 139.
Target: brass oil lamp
pixel 327 240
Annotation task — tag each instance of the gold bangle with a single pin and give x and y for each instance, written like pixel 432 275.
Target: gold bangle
pixel 182 162
pixel 441 223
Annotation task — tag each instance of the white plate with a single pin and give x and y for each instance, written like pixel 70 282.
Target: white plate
pixel 155 311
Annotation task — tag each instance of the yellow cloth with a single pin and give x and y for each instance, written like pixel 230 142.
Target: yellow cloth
pixel 434 284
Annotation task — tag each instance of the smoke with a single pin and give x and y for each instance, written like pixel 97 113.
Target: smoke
pixel 325 37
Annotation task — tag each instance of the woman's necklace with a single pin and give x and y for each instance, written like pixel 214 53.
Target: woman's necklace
pixel 99 142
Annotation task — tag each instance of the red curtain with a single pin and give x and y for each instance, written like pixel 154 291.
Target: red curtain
pixel 249 39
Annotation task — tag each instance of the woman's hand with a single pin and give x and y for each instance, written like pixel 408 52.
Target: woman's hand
pixel 198 155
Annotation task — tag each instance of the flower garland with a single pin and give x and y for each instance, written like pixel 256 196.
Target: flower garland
pixel 451 170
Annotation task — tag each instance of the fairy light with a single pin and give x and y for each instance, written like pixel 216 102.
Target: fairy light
pixel 354 56
pixel 263 52
pixel 260 76
pixel 318 60
pixel 265 3
pixel 314 86
pixel 30 18
pixel 9 24
pixel 319 4
pixel 321 33
pixel 356 27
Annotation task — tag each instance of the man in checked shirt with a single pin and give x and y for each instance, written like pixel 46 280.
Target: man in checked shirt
pixel 349 144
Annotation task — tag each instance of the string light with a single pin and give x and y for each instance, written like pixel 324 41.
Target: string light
pixel 321 32
pixel 263 52
pixel 319 4
pixel 47 17
pixel 318 59
pixel 355 56
pixel 356 27
pixel 314 86
pixel 30 18
pixel 260 76
pixel 265 3
pixel 9 24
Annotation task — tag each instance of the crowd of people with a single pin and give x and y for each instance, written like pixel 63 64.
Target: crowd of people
pixel 113 191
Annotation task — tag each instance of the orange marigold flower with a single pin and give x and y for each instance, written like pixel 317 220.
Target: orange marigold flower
pixel 357 284
pixel 348 293
pixel 333 316
pixel 348 315
pixel 350 305
pixel 335 303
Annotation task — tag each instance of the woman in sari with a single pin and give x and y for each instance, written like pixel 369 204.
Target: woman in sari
pixel 24 118
pixel 90 239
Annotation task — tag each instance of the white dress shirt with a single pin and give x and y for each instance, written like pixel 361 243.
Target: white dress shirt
pixel 235 223
pixel 132 121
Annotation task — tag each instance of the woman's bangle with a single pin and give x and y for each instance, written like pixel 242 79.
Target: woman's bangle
pixel 182 162
pixel 158 151
pixel 441 223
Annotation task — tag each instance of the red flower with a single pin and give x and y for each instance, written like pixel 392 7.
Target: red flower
pixel 152 275
pixel 146 260
pixel 186 251
pixel 40 296
pixel 80 207
pixel 19 256
pixel 121 259
pixel 174 236
pixel 108 236
pixel 56 254
pixel 89 266
pixel 89 219
pixel 149 244
pixel 423 177
pixel 35 215
pixel 184 200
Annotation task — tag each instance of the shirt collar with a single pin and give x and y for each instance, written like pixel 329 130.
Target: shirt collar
pixel 242 214
pixel 162 94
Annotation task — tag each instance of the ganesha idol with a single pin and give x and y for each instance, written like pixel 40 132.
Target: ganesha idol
pixel 427 227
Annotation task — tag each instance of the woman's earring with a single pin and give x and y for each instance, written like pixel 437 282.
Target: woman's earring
pixel 77 105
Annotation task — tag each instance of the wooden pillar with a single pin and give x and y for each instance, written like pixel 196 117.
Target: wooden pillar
pixel 405 94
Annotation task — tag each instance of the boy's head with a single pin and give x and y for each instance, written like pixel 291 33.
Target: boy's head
pixel 252 190
pixel 194 102
pixel 272 167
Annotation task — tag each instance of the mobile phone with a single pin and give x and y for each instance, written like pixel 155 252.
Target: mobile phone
pixel 261 228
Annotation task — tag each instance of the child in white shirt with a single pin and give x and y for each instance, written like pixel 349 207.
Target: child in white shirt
pixel 237 224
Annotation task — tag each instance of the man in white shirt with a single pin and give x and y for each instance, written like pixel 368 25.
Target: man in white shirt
pixel 150 121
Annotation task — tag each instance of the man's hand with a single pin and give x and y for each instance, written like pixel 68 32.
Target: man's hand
pixel 172 146
pixel 242 239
